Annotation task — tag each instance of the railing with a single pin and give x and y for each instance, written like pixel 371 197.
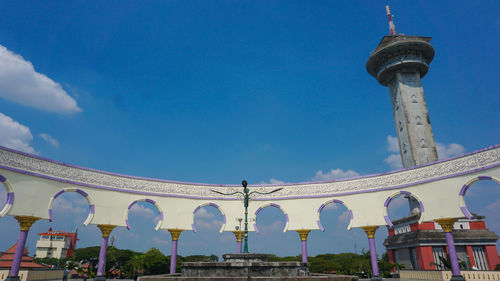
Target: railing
pixel 446 275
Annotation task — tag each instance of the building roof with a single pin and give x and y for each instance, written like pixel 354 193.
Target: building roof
pixel 26 262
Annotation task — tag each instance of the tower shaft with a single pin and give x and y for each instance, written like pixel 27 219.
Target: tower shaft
pixel 413 126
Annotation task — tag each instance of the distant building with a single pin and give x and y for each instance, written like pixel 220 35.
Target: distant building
pixel 56 244
pixel 421 246
pixel 29 270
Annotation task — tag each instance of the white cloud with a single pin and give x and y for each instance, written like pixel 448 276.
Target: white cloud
pixel 267 230
pixel 70 205
pixel 48 138
pixel 160 242
pixel 343 219
pixel 392 144
pixel 444 151
pixel 213 224
pixel 145 212
pixel 394 161
pixel 205 219
pixel 273 181
pixel 15 135
pixel 450 150
pixel 204 214
pixel 334 174
pixel 20 83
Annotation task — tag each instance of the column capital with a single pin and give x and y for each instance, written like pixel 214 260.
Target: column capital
pixel 303 234
pixel 370 230
pixel 239 235
pixel 25 222
pixel 175 233
pixel 446 223
pixel 106 229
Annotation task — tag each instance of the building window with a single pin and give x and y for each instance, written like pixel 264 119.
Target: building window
pixel 413 258
pixel 439 254
pixel 480 257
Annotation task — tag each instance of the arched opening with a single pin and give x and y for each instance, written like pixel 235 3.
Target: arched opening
pixel 271 225
pixel 403 213
pixel 403 208
pixel 143 218
pixel 68 210
pixel 6 196
pixel 335 238
pixel 207 238
pixel 480 204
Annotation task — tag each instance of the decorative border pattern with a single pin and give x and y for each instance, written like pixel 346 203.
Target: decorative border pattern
pixel 215 206
pixel 160 222
pixel 270 205
pixel 82 193
pixel 41 167
pixel 464 189
pixel 351 216
pixel 402 192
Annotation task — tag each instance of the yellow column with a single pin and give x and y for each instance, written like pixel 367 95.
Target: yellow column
pixel 239 239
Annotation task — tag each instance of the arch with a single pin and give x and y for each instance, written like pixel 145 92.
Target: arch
pixel 402 192
pixel 82 193
pixel 336 201
pixel 215 206
pixel 160 222
pixel 270 205
pixel 10 196
pixel 464 189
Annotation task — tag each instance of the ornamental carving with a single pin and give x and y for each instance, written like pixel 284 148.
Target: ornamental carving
pixel 25 222
pixel 52 170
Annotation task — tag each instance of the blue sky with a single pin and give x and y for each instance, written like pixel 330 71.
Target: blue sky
pixel 220 91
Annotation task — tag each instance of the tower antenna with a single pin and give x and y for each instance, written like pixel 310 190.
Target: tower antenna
pixel 392 27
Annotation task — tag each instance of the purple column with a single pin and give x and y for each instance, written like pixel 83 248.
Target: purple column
pixel 173 256
pixel 303 233
pixel 175 233
pixel 102 256
pixel 238 247
pixel 303 243
pixel 373 256
pixel 455 269
pixel 21 243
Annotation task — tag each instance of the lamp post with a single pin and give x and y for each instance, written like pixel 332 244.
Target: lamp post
pixel 246 197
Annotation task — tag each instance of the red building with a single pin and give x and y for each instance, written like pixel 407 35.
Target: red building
pixel 420 246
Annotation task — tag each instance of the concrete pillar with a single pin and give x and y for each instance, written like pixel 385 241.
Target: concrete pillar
pixel 470 254
pixel 101 267
pixel 303 242
pixel 492 256
pixel 173 254
pixel 370 232
pixel 447 226
pixel 25 223
pixel 425 257
pixel 239 239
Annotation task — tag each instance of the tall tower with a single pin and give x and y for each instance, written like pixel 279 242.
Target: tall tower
pixel 399 62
